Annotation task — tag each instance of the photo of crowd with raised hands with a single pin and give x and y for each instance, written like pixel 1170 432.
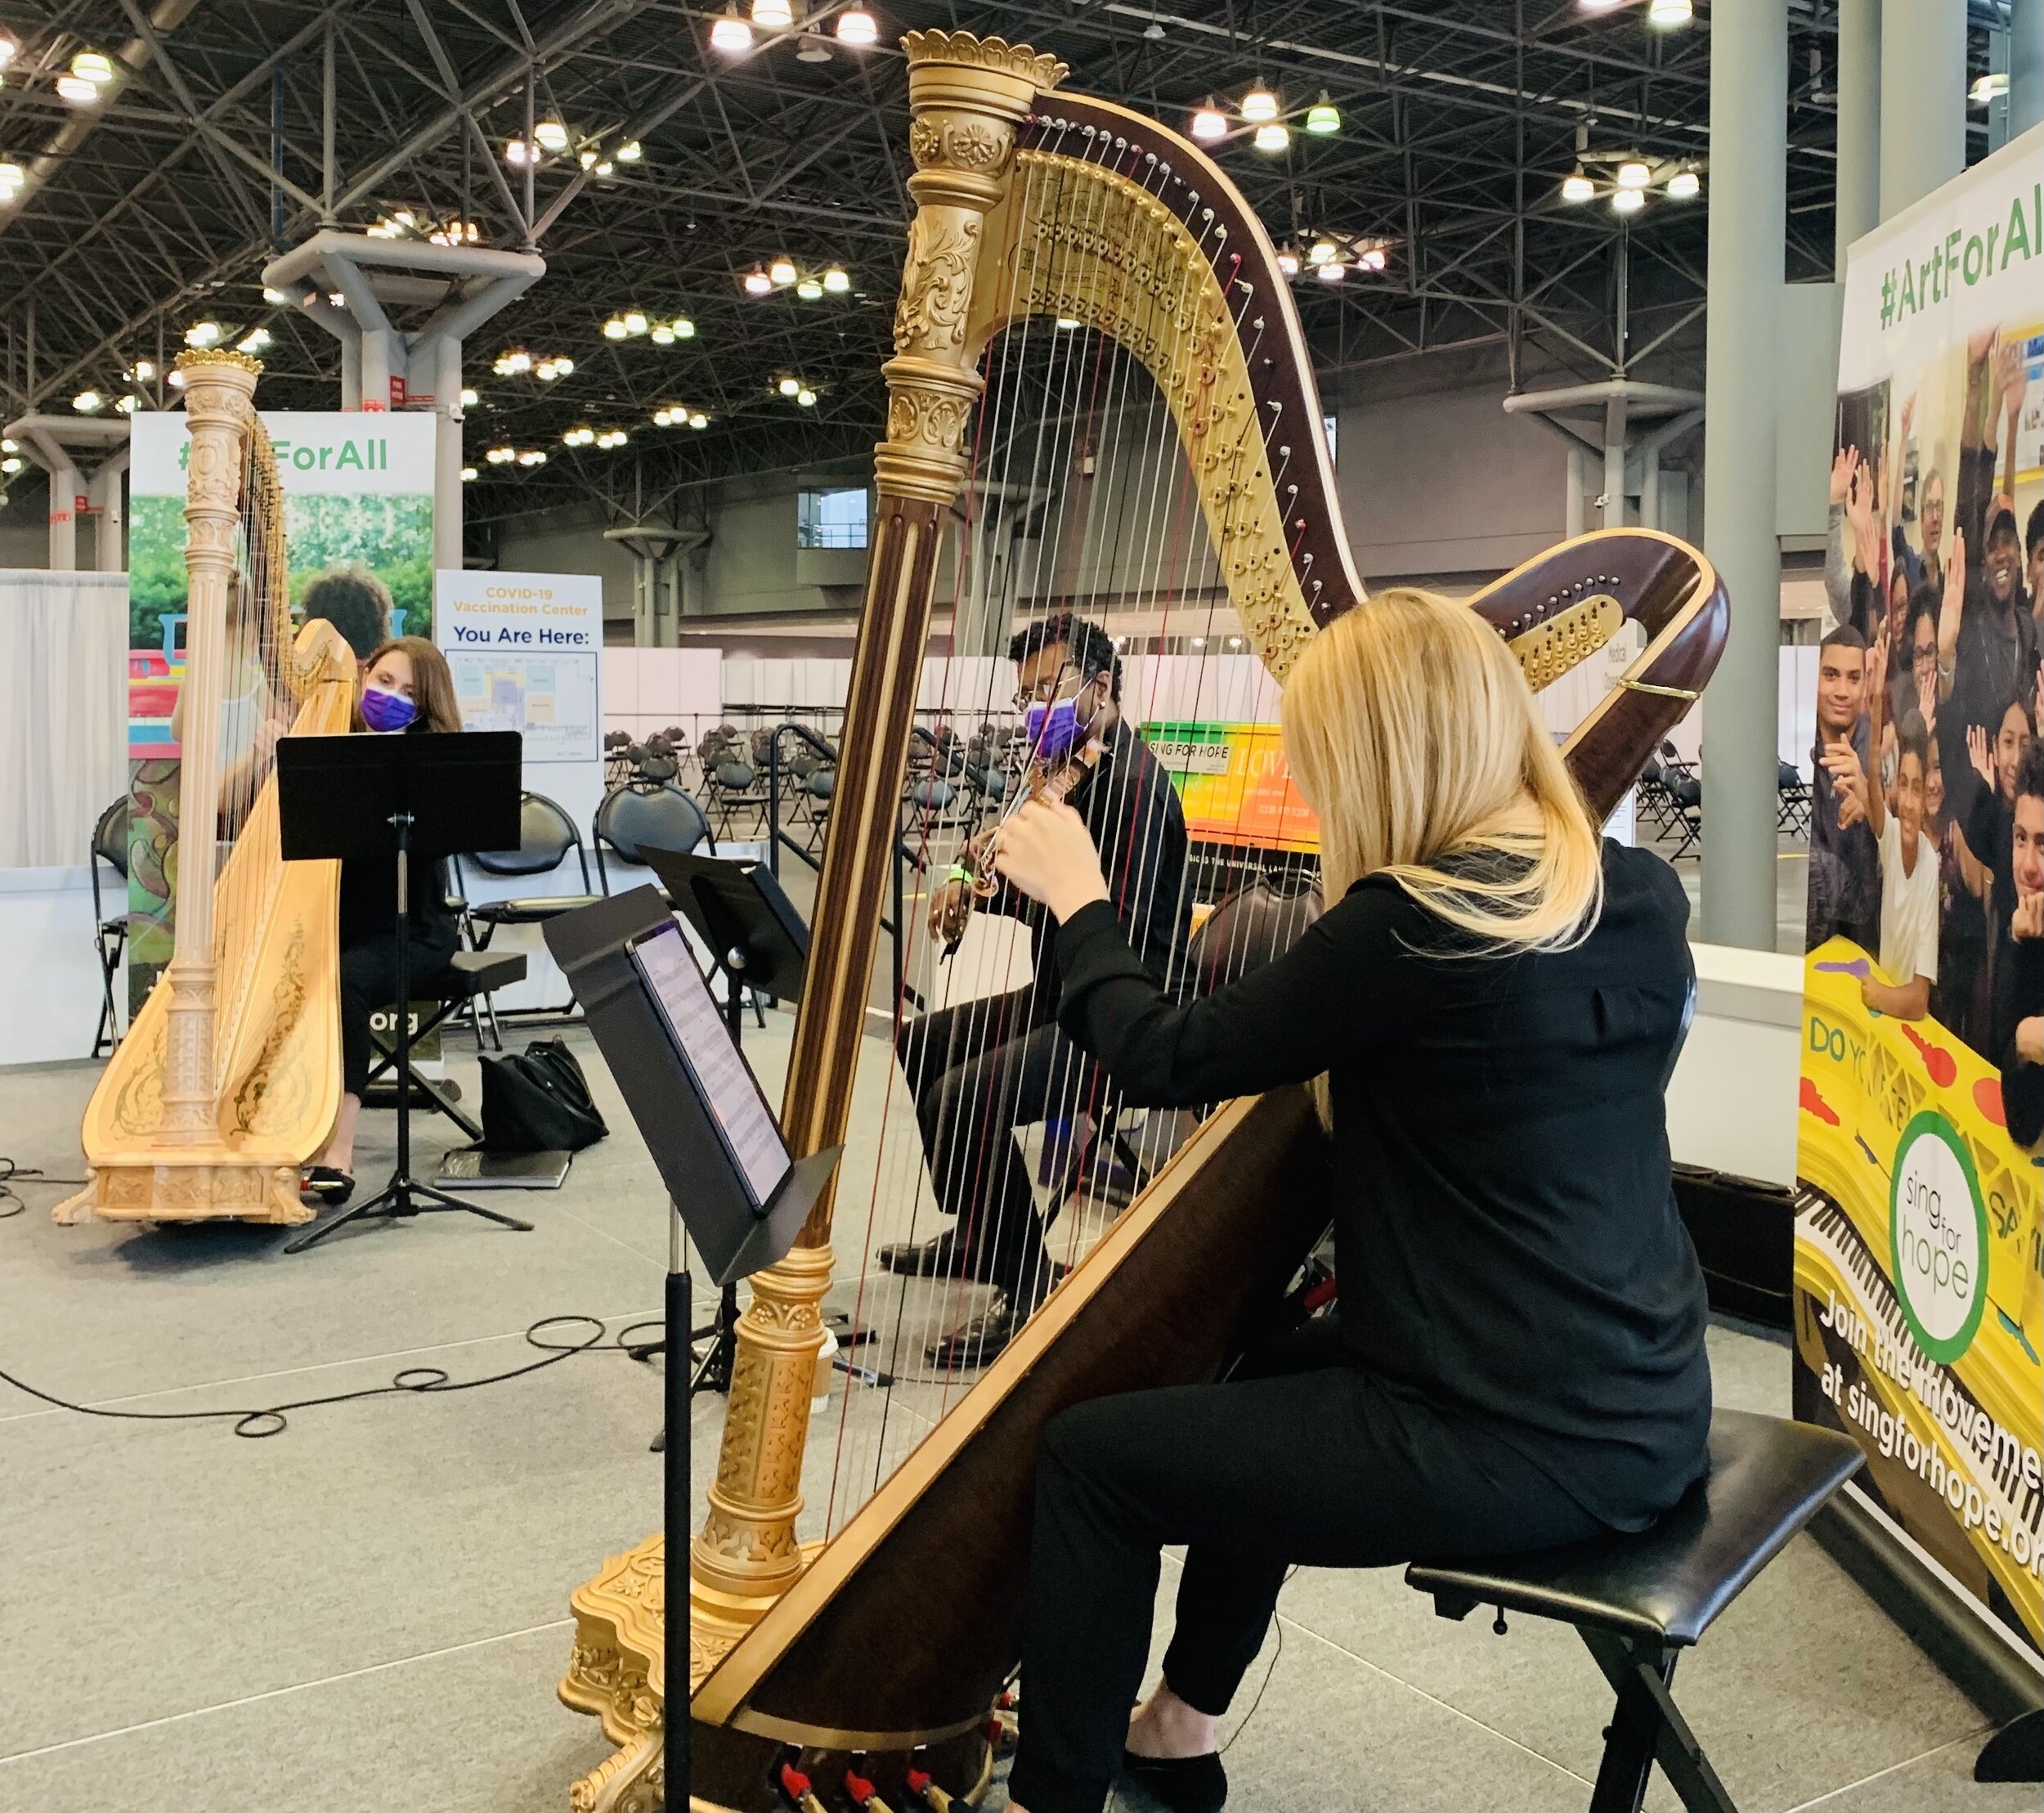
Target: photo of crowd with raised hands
pixel 1928 773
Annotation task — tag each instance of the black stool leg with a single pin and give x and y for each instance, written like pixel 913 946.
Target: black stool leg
pixel 1646 1728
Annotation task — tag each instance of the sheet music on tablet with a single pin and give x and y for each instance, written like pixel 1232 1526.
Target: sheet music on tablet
pixel 726 1083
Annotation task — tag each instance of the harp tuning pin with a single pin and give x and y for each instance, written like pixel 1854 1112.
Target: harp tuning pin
pixel 1291 491
pixel 1285 453
pixel 1120 143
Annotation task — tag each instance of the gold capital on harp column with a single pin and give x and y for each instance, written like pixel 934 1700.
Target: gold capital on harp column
pixel 968 97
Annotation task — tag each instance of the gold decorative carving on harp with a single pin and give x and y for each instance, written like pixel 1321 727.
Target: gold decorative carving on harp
pixel 893 1637
pixel 228 1080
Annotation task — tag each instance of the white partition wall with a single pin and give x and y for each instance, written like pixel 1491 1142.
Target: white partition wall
pixel 63 712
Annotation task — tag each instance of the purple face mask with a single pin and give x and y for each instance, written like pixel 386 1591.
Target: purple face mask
pixel 382 711
pixel 1055 731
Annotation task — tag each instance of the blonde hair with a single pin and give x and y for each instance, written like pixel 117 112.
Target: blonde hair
pixel 1415 737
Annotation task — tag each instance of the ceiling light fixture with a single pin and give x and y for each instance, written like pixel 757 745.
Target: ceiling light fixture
pixel 614 329
pixel 1374 259
pixel 510 364
pixel 1323 117
pixel 1259 105
pixel 88 402
pixel 469 399
pixel 789 386
pixel 467 475
pixel 757 282
pixel 1627 201
pixel 518 154
pixel 1275 136
pixel 857 26
pixel 813 49
pixel 1332 272
pixel 1600 6
pixel 12 176
pixel 806 398
pixel 254 341
pixel 1209 123
pixel 532 457
pixel 782 272
pixel 771 15
pixel 201 334
pixel 1684 186
pixel 12 463
pixel 663 335
pixel 145 369
pixel 1633 175
pixel 810 289
pixel 635 323
pixel 77 90
pixel 1288 261
pixel 698 420
pixel 9 48
pixel 1990 87
pixel 1666 15
pixel 731 34
pixel 93 66
pixel 550 135
pixel 501 456
pixel 1575 186
pixel 630 152
pixel 1322 250
pixel 837 280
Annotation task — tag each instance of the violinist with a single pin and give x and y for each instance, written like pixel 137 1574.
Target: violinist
pixel 982 1068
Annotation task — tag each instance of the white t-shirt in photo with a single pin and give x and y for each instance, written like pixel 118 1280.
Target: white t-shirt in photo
pixel 1908 908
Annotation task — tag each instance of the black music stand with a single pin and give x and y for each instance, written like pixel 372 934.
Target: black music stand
pixel 735 1237
pixel 370 799
pixel 754 934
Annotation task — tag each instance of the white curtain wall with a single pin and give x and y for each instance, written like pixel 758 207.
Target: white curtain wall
pixel 63 712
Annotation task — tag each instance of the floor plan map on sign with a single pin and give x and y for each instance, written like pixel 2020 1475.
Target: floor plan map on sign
pixel 550 698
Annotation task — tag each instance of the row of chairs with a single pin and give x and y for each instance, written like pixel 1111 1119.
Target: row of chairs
pixel 1671 796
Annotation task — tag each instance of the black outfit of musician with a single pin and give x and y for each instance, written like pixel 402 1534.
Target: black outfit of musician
pixel 369 948
pixel 982 1068
pixel 1518 1360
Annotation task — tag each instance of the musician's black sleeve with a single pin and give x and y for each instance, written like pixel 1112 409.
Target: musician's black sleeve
pixel 1283 1023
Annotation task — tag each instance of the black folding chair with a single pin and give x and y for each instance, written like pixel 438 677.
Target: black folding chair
pixel 547 835
pixel 632 818
pixel 109 931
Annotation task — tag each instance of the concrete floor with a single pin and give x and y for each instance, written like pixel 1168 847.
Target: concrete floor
pixel 369 1611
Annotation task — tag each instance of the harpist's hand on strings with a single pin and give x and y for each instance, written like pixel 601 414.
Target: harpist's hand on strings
pixel 1047 852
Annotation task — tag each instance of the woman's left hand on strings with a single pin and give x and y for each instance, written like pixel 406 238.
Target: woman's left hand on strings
pixel 1047 852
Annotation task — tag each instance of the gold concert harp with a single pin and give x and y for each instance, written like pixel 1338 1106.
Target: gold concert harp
pixel 228 1080
pixel 890 1641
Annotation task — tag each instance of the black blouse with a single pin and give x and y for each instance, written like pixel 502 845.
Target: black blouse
pixel 1507 1240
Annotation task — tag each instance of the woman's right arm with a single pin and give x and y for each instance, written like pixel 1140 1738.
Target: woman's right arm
pixel 1283 1023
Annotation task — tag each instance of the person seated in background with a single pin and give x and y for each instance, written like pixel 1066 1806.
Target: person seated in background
pixel 1490 1005
pixel 1909 896
pixel 357 603
pixel 406 687
pixel 2019 994
pixel 1845 885
pixel 981 1068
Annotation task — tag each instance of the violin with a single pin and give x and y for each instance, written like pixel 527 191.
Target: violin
pixel 1062 753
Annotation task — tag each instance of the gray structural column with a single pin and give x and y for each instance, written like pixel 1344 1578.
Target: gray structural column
pixel 1748 150
pixel 1858 123
pixel 447 456
pixel 2026 64
pixel 1923 98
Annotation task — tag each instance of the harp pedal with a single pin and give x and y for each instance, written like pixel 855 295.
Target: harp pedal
pixel 800 1794
pixel 862 1794
pixel 928 1792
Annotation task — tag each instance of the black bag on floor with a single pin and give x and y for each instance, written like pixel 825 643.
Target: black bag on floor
pixel 538 1101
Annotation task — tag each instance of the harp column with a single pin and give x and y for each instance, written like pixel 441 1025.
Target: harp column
pixel 967 97
pixel 219 389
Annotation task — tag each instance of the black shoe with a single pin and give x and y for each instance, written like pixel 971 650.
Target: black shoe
pixel 1185 1785
pixel 321 1183
pixel 944 1257
pixel 979 1339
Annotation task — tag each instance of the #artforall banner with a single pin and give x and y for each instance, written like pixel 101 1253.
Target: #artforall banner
pixel 358 524
pixel 1919 1311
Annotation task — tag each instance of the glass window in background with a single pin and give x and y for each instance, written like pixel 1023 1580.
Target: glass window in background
pixel 834 518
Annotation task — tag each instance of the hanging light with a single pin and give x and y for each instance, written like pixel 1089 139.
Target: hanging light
pixel 662 417
pixel 1273 135
pixel 1633 175
pixel 856 26
pixel 1332 272
pixel 12 463
pixel 812 49
pixel 782 272
pixel 254 341
pixel 1209 123
pixel 201 334
pixel 1684 186
pixel 663 335
pixel 1667 14
pixel 789 386
pixel 614 329
pixel 77 90
pixel 1323 117
pixel 578 436
pixel 683 329
pixel 467 475
pixel 698 420
pixel 757 282
pixel 1575 186
pixel 469 399
pixel 1990 87
pixel 93 66
pixel 1322 250
pixel 518 154
pixel 1600 6
pixel 731 34
pixel 635 323
pixel 810 289
pixel 12 176
pixel 1259 105
pixel 532 457
pixel 550 135
pixel 630 152
pixel 145 369
pixel 88 402
pixel 771 15
pixel 806 398
pixel 1288 261
pixel 1374 259
pixel 1627 201
pixel 10 47
pixel 837 280
pixel 501 456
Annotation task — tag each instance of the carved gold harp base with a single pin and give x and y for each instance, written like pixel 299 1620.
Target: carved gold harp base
pixel 614 1674
pixel 190 1186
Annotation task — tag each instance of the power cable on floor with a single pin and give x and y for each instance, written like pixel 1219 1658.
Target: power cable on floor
pixel 11 1202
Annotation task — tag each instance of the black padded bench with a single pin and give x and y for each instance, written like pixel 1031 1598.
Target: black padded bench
pixel 473 973
pixel 1638 1601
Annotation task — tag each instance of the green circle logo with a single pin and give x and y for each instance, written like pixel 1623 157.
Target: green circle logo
pixel 1937 1237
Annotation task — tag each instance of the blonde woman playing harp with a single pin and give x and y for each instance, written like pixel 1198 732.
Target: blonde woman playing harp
pixel 1517 1360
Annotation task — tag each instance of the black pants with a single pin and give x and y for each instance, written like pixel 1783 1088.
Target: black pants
pixel 977 1071
pixel 1301 1458
pixel 368 982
